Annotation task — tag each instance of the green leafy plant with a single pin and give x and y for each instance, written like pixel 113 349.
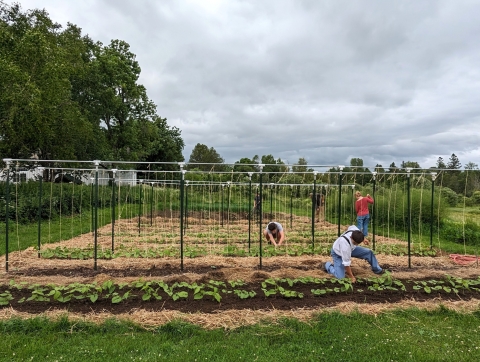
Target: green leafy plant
pixel 269 287
pixel 5 297
pixel 244 294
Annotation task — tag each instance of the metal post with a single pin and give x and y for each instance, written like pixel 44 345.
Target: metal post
pixel 339 197
pixel 114 171
pixel 97 163
pixel 374 173
pixel 39 214
pixel 325 204
pixel 151 204
pixel 353 203
pixel 271 202
pixel 221 207
pixel 314 207
pixel 291 206
pixel 92 179
pixel 249 208
pixel 434 176
pixel 228 202
pixel 7 207
pixel 140 205
pixel 182 181
pixel 261 212
pixel 186 208
pixel 409 216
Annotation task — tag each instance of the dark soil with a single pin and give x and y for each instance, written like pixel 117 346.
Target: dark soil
pixel 168 269
pixel 229 301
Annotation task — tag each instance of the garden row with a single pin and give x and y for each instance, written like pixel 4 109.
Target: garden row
pixel 192 251
pixel 288 288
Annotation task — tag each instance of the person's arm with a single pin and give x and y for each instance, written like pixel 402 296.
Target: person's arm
pixel 282 237
pixel 369 199
pixel 272 239
pixel 348 271
pixel 346 254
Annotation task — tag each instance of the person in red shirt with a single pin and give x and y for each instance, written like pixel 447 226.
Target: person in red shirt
pixel 363 215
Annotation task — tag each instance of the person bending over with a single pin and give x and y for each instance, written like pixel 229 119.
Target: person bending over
pixel 344 249
pixel 274 233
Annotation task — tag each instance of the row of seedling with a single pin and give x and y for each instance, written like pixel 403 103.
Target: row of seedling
pixel 193 251
pixel 215 290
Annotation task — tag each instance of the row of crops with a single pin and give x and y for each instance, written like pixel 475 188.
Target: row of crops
pixel 23 292
pixel 193 251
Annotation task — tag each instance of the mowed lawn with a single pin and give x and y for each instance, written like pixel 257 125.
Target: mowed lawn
pixel 402 335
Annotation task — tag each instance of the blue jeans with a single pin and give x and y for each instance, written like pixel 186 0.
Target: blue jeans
pixel 337 269
pixel 362 224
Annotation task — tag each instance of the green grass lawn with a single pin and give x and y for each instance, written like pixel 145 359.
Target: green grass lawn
pixel 408 335
pixel 461 214
pixel 23 236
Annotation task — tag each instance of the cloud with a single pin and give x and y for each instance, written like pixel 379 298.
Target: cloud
pixel 327 81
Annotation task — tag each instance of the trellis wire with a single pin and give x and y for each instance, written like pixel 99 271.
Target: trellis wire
pixel 233 202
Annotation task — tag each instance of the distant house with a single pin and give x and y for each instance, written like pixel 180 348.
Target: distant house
pixel 20 175
pixel 122 177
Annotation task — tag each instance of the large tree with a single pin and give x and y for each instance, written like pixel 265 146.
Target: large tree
pixel 205 157
pixel 37 114
pixel 410 164
pixel 441 163
pixel 454 162
pixel 64 96
pixel 392 168
pixel 454 179
pixel 115 102
pixel 272 167
pixel 244 165
pixel 356 162
pixel 300 166
pixel 161 143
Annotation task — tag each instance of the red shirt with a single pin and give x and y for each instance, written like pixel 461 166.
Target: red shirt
pixel 361 205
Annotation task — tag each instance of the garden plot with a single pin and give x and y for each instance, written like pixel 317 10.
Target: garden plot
pixel 216 284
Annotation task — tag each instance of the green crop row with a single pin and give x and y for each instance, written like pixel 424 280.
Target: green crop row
pixel 194 251
pixel 215 290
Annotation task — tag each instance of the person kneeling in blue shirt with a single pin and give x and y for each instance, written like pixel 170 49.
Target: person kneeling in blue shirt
pixel 344 249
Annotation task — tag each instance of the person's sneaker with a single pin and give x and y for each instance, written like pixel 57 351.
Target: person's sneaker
pixel 321 266
pixel 385 270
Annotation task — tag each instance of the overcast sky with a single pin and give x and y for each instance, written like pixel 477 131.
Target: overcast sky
pixel 385 81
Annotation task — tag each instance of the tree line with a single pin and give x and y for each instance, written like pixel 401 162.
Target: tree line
pixel 448 175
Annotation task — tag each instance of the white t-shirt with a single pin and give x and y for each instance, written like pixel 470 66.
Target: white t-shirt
pixel 279 227
pixel 344 248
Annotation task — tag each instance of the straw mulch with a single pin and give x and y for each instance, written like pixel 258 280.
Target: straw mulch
pixel 235 318
pixel 26 266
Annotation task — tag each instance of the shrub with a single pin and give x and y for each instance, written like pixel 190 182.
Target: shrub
pixel 476 198
pixel 450 196
pixel 468 201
